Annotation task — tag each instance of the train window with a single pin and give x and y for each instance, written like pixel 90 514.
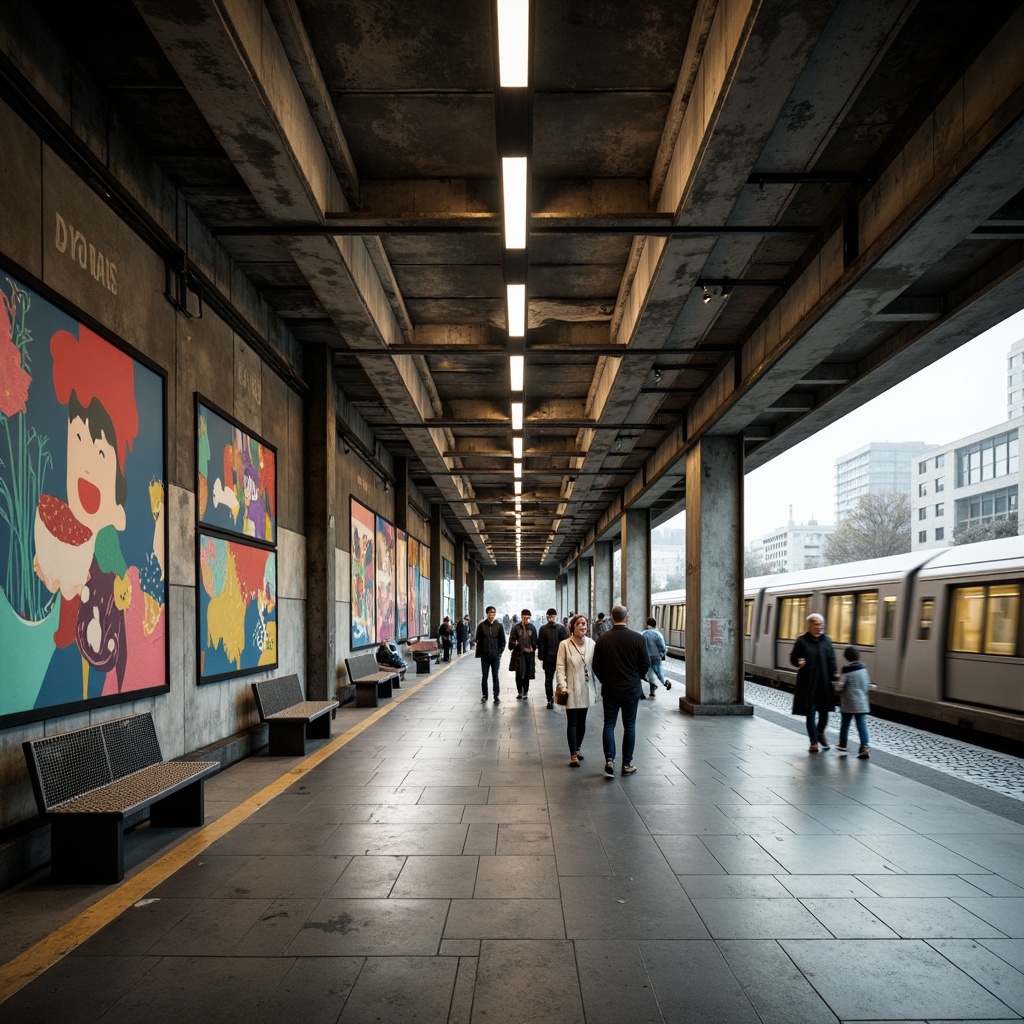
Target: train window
pixel 679 617
pixel 748 618
pixel 840 618
pixel 792 617
pixel 767 618
pixel 967 613
pixel 924 626
pixel 867 618
pixel 1001 619
pixel 888 618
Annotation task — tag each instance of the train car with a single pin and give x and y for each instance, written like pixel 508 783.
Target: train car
pixel 941 631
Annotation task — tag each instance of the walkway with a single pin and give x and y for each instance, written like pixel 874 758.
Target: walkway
pixel 444 864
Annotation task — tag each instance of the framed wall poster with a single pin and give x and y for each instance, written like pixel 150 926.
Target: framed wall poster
pixel 402 584
pixel 237 607
pixel 384 579
pixel 414 587
pixel 424 602
pixel 364 618
pixel 236 476
pixel 83 529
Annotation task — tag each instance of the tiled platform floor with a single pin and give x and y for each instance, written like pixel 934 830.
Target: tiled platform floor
pixel 446 864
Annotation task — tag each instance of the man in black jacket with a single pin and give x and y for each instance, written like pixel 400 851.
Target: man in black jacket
pixel 813 696
pixel 621 663
pixel 522 642
pixel 549 636
pixel 490 643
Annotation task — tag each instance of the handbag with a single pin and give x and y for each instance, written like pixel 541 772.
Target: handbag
pixel 562 697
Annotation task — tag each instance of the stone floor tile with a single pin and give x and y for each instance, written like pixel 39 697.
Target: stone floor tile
pixel 824 886
pixel 272 839
pixel 848 919
pixel 200 876
pixel 436 878
pixel 615 983
pixel 371 927
pixel 454 795
pixel 733 886
pixel 520 794
pixel 211 928
pixel 920 885
pixel 517 877
pixel 466 948
pixel 368 878
pixel 461 1009
pixel 506 814
pixel 917 855
pixel 1006 914
pixel 1010 950
pixel 275 928
pixel 401 990
pixel 809 855
pixel 1001 854
pixel 284 876
pixel 524 982
pixel 750 918
pixel 480 839
pixel 865 979
pixel 313 991
pixel 927 918
pixel 744 855
pixel 986 968
pixel 505 919
pixel 778 991
pixel 397 840
pixel 688 855
pixel 524 840
pixel 140 927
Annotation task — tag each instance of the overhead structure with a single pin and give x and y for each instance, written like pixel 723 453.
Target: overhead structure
pixel 552 246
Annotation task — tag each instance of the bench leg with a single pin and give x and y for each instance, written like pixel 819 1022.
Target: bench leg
pixel 319 728
pixel 87 848
pixel 384 688
pixel 366 696
pixel 287 739
pixel 183 809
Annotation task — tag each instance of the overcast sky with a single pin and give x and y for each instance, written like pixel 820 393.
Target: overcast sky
pixel 959 394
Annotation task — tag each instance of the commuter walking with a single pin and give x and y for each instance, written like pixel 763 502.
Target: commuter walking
pixel 523 644
pixel 490 643
pixel 549 636
pixel 815 662
pixel 446 634
pixel 602 625
pixel 575 677
pixel 853 702
pixel 621 663
pixel 656 650
pixel 461 635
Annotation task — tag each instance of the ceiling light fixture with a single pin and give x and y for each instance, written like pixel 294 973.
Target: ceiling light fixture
pixel 657 375
pixel 516 310
pixel 706 297
pixel 517 470
pixel 726 289
pixel 517 447
pixel 517 370
pixel 513 182
pixel 518 485
pixel 517 415
pixel 513 43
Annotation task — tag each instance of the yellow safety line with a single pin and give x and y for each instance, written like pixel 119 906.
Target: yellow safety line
pixel 30 964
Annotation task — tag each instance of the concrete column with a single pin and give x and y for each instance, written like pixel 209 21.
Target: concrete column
pixel 570 589
pixel 636 565
pixel 602 578
pixel 320 460
pixel 714 579
pixel 460 580
pixel 401 469
pixel 435 569
pixel 585 600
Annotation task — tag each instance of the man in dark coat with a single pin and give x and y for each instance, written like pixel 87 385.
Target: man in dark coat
pixel 490 643
pixel 621 663
pixel 549 636
pixel 522 642
pixel 814 697
pixel 461 635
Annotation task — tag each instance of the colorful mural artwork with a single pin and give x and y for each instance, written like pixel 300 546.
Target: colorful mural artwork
pixel 82 514
pixel 235 477
pixel 414 587
pixel 402 588
pixel 364 619
pixel 385 580
pixel 237 608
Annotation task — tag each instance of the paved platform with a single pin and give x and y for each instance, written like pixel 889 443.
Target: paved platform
pixel 437 860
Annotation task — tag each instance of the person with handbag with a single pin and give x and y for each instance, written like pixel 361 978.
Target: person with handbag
pixel 576 687
pixel 522 642
pixel 549 636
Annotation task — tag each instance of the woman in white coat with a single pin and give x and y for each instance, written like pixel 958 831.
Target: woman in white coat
pixel 574 675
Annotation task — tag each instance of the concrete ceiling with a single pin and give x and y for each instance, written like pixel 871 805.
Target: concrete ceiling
pixel 850 172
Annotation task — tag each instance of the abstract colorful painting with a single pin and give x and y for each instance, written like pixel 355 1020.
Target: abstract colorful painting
pixel 414 587
pixel 237 598
pixel 83 530
pixel 402 587
pixel 385 580
pixel 364 618
pixel 235 477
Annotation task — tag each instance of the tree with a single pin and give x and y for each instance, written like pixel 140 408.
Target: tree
pixel 878 525
pixel 990 530
pixel 754 563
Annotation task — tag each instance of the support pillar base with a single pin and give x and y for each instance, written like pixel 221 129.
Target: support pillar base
pixel 690 708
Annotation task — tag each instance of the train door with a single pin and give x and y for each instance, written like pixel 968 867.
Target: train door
pixel 885 672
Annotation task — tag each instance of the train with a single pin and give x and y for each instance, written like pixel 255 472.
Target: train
pixel 941 631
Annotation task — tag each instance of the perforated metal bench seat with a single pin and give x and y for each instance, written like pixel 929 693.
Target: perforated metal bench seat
pixel 290 718
pixel 370 679
pixel 86 782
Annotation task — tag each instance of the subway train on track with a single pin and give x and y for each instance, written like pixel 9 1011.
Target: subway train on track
pixel 941 631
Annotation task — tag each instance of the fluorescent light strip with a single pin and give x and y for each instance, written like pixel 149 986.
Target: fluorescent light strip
pixel 517 470
pixel 517 415
pixel 517 447
pixel 516 310
pixel 517 371
pixel 513 43
pixel 513 177
pixel 518 484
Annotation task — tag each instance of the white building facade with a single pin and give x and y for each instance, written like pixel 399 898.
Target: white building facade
pixel 1015 381
pixel 972 481
pixel 795 546
pixel 873 468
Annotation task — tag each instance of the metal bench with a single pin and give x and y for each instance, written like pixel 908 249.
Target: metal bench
pixel 291 719
pixel 87 781
pixel 423 652
pixel 370 679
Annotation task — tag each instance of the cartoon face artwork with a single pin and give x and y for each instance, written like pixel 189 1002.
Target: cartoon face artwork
pixel 92 478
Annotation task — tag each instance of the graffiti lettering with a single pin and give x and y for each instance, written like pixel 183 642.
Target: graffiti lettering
pixel 68 239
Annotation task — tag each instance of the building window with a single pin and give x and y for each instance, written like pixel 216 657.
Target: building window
pixel 922 537
pixel 987 459
pixel 940 484
pixel 940 533
pixel 940 461
pixel 922 513
pixel 940 509
pixel 922 467
pixel 986 508
pixel 922 490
